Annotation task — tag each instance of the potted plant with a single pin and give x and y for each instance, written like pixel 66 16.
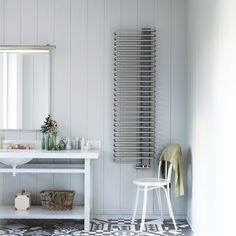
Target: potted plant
pixel 49 130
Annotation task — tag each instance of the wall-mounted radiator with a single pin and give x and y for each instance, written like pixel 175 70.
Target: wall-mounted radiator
pixel 134 96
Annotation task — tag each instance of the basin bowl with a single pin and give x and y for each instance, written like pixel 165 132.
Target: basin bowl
pixel 15 161
pixel 16 157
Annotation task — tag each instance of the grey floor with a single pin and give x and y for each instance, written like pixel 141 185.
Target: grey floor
pixel 98 227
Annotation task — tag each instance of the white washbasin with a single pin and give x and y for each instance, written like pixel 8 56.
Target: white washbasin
pixel 15 157
pixel 15 161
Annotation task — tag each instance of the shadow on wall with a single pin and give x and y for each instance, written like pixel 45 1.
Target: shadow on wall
pixel 189 173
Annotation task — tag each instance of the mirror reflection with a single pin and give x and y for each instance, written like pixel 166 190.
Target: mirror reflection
pixel 24 90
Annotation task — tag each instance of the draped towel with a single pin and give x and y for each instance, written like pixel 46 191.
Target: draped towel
pixel 173 154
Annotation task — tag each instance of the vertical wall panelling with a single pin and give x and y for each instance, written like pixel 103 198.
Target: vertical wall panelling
pixel 129 19
pixel 12 35
pixel 12 21
pixel 29 22
pixel 46 32
pixel 45 22
pixel 28 14
pixel 2 21
pixel 95 91
pixel 82 83
pixel 146 13
pixel 178 85
pixel 10 184
pixel 78 75
pixel 28 181
pixel 163 25
pixel 146 18
pixel 163 83
pixel 45 35
pixel 78 54
pixel 61 83
pixel 1 42
pixel 111 169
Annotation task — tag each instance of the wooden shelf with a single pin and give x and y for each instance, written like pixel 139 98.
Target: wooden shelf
pixel 37 212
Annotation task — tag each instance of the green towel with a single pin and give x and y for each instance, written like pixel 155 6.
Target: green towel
pixel 173 154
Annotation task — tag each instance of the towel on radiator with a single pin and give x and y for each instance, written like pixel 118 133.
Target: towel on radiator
pixel 173 154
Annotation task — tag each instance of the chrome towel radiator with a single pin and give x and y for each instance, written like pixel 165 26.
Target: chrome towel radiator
pixel 134 96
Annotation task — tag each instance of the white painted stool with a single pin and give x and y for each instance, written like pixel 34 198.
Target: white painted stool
pixel 148 184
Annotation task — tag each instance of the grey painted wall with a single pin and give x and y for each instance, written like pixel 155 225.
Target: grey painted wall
pixel 82 85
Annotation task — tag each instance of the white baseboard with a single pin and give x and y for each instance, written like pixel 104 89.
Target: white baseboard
pixel 148 216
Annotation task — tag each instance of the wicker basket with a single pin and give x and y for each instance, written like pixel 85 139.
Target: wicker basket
pixel 57 199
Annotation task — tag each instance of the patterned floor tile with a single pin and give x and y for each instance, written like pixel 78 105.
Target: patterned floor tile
pixel 113 227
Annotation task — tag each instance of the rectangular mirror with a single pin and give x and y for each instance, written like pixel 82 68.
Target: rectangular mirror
pixel 24 89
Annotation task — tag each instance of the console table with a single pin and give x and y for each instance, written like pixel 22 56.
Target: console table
pixel 37 212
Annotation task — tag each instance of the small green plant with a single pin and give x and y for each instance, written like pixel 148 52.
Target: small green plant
pixel 61 145
pixel 50 126
pixel 49 129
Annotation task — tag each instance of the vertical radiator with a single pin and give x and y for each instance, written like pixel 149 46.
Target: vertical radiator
pixel 134 96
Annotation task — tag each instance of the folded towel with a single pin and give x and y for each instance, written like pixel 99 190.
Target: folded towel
pixel 173 154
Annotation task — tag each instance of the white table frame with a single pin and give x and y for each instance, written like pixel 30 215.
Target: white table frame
pixel 8 212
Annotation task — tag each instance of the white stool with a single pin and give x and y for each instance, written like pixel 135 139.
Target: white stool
pixel 148 184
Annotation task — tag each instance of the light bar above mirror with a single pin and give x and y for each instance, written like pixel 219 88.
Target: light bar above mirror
pixel 27 48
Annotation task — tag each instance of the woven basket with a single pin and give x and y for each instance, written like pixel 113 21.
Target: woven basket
pixel 60 200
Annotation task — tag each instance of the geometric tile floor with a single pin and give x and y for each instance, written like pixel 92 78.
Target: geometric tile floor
pixel 113 227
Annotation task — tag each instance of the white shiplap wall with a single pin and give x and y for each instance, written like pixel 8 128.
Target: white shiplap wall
pixel 82 85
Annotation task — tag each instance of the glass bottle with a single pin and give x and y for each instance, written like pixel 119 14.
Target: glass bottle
pixel 43 142
pixel 53 141
pixel 48 142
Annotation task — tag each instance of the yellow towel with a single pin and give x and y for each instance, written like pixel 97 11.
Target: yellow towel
pixel 173 154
